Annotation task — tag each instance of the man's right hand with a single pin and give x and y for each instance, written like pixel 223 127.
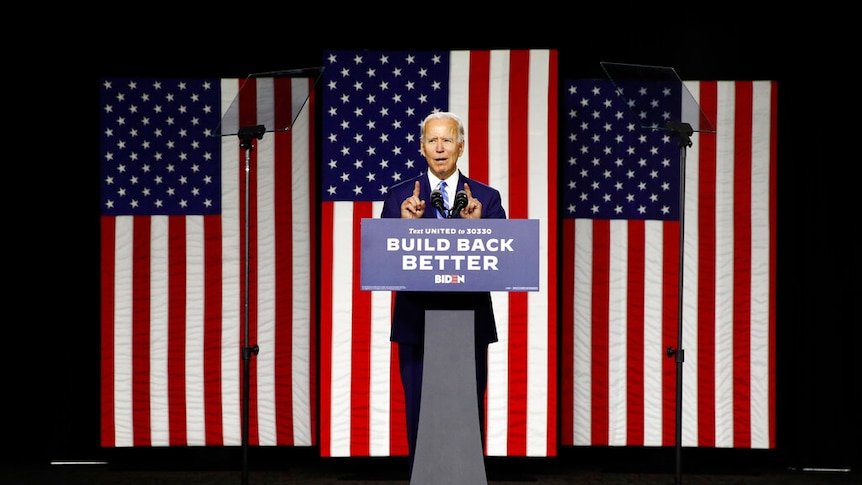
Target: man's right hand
pixel 412 207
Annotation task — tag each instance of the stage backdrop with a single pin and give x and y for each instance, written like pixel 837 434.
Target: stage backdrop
pixel 172 258
pixel 373 103
pixel 172 249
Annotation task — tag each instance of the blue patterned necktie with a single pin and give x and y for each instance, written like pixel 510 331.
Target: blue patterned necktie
pixel 442 188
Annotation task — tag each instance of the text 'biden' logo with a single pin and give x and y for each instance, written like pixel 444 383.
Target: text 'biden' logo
pixel 448 278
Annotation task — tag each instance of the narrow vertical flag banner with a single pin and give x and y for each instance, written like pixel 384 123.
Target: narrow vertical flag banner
pixel 621 255
pixel 373 103
pixel 173 265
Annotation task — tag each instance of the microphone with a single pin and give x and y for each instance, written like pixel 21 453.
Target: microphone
pixel 437 201
pixel 460 203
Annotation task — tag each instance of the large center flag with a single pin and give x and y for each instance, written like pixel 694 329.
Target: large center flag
pixel 621 251
pixel 173 259
pixel 373 103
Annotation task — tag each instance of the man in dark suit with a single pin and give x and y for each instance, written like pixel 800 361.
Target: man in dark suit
pixel 442 143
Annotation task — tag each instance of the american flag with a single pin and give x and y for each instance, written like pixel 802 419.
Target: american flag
pixel 373 102
pixel 621 250
pixel 173 265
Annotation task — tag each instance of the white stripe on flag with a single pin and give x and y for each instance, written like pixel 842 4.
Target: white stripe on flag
pixel 265 265
pixel 158 380
pixel 582 334
pixel 654 343
pixel 194 365
pixel 122 351
pixel 342 321
pixel 762 407
pixel 232 314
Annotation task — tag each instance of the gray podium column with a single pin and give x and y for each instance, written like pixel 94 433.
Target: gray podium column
pixel 449 440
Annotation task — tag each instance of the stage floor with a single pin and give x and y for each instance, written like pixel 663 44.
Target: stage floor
pixel 279 467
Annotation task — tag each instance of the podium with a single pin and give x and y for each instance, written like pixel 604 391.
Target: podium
pixel 449 440
pixel 449 255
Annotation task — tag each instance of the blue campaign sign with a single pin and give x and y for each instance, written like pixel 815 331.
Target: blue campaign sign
pixel 450 255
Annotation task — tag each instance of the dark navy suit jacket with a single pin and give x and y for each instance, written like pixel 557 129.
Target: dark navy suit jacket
pixel 408 319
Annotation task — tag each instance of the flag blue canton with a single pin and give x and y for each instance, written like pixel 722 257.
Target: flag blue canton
pixel 615 165
pixel 372 105
pixel 158 152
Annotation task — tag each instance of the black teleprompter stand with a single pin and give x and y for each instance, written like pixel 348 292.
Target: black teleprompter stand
pixel 247 135
pixel 683 131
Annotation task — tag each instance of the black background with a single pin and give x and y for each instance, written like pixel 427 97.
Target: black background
pixel 57 57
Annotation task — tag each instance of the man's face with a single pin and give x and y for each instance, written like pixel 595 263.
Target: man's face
pixel 441 148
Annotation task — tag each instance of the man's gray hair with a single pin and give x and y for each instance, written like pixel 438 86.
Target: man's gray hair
pixel 442 115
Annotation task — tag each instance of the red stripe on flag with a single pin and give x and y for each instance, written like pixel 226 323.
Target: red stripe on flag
pixel 518 208
pixel 552 224
pixel 518 136
pixel 567 334
pixel 141 332
pixel 742 266
pixel 670 328
pixel 213 328
pixel 108 269
pixel 327 259
pixel 477 115
pixel 706 234
pixel 635 332
pixel 177 330
pixel 518 377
